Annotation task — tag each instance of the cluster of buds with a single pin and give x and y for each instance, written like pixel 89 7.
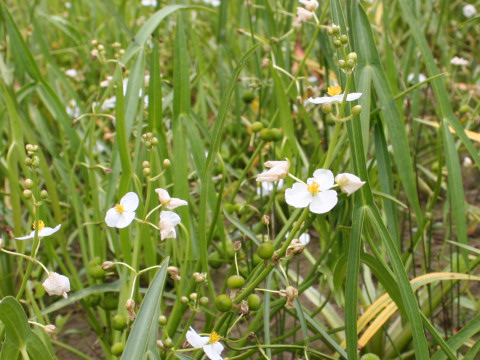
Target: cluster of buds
pixel 150 141
pixel 339 40
pixel 119 52
pixel 173 272
pixel 98 51
pixel 146 168
pixel 199 277
pixel 32 159
pixel 348 65
pixel 295 248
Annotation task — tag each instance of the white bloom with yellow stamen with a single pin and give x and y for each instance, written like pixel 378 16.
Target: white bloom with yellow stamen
pixel 210 344
pixel 349 183
pixel 123 214
pixel 168 221
pixel 278 170
pixel 335 95
pixel 57 284
pixel 167 201
pixel 315 193
pixel 42 231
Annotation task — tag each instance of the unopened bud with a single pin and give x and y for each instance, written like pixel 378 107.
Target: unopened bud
pixel 35 162
pixel 199 277
pixel 204 301
pixel 356 110
pixel 342 63
pixel 352 56
pixel 107 265
pixel 184 300
pixel 162 320
pixel 327 108
pixel 28 183
pixel 27 194
pixel 50 329
pixel 146 171
pixel 337 43
pixel 145 164
pixel 344 39
pixel 173 272
pixel 168 343
pixel 44 194
pixel 166 163
pixel 193 296
pixel 28 161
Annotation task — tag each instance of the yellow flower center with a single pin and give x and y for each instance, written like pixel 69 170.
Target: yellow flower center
pixel 119 208
pixel 41 225
pixel 313 187
pixel 214 337
pixel 334 90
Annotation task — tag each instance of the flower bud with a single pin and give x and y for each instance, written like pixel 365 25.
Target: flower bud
pixel 204 301
pixel 184 300
pixel 27 194
pixel 145 164
pixel 327 108
pixel 146 171
pixel 352 56
pixel 168 343
pixel 199 277
pixel 35 162
pixel 28 161
pixel 28 183
pixel 162 320
pixel 193 296
pixel 344 39
pixel 166 163
pixel 50 329
pixel 44 194
pixel 342 63
pixel 107 265
pixel 173 272
pixel 350 64
pixel 356 110
pixel 337 43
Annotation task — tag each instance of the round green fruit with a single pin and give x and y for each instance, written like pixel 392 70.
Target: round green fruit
pixel 248 96
pixel 276 134
pixel 235 282
pixel 96 271
pixel 110 301
pixel 223 303
pixel 265 250
pixel 257 126
pixel 119 322
pixel 266 134
pixel 214 260
pixel 254 302
pixel 117 348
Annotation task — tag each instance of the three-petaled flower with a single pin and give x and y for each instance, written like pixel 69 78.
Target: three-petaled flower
pixel 210 344
pixel 168 221
pixel 167 201
pixel 42 231
pixel 123 214
pixel 335 95
pixel 315 193
pixel 57 284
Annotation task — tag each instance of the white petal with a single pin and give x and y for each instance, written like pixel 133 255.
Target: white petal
pixel 163 195
pixel 174 203
pixel 353 96
pixel 168 232
pixel 196 340
pixel 56 284
pixel 324 178
pixel 304 239
pixel 298 196
pixel 129 201
pixel 170 217
pixel 323 202
pixel 125 219
pixel 112 217
pixel 47 231
pixel 213 351
pixel 322 100
pixel 26 237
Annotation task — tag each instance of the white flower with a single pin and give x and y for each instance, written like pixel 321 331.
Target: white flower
pixel 72 73
pixel 72 109
pixel 167 201
pixel 149 2
pixel 315 193
pixel 42 231
pixel 459 61
pixel 335 94
pixel 349 183
pixel 109 103
pixel 310 5
pixel 210 344
pixel 467 162
pixel 469 11
pixel 168 221
pixel 267 187
pixel 57 284
pixel 278 170
pixel 123 214
pixel 413 78
pixel 303 15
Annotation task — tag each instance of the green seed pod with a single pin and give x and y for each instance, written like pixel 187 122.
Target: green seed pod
pixel 96 271
pixel 265 250
pixel 214 260
pixel 162 320
pixel 117 348
pixel 230 250
pixel 266 134
pixel 327 108
pixel 248 96
pixel 119 322
pixel 257 126
pixel 463 110
pixel 93 300
pixel 235 282
pixel 254 302
pixel 168 343
pixel 277 134
pixel 229 208
pixel 223 303
pixel 110 301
